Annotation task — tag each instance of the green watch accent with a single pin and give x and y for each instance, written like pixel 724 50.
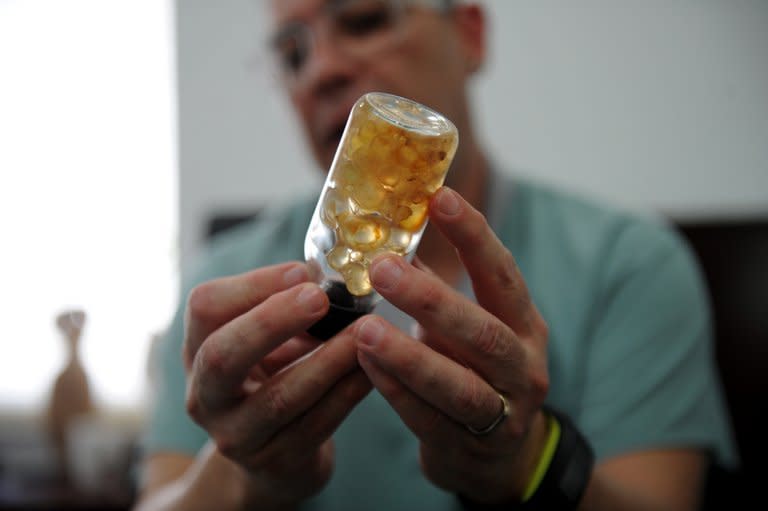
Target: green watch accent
pixel 553 438
pixel 569 471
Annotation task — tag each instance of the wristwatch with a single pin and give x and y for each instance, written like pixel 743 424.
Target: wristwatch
pixel 565 479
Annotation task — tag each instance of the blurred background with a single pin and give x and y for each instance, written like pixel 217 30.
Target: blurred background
pixel 129 128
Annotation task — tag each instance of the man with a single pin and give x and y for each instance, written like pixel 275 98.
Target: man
pixel 599 315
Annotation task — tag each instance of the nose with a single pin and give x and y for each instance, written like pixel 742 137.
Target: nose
pixel 329 70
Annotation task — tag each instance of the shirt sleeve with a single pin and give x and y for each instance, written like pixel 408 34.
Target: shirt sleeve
pixel 651 379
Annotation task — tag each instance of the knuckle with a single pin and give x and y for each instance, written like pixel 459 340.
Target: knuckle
pixel 430 299
pixel 255 287
pixel 524 303
pixel 276 405
pixel 455 314
pixel 506 271
pixel 539 384
pixel 541 328
pixel 411 367
pixel 262 324
pixel 477 228
pixel 227 445
pixel 199 302
pixel 192 405
pixel 491 337
pixel 210 360
pixel 468 399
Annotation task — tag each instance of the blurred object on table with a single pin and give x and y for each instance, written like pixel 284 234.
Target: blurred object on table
pixel 71 394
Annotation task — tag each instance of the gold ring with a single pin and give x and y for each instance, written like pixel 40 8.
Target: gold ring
pixel 505 411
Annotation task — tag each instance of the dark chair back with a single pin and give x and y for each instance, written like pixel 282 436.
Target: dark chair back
pixel 734 259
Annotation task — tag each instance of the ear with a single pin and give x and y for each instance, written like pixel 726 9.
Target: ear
pixel 471 25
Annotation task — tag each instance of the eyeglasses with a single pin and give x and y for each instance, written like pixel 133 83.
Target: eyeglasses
pixel 356 28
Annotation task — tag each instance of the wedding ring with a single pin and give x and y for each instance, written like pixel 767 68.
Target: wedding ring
pixel 505 410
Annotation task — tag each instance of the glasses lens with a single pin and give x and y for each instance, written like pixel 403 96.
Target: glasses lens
pixel 364 19
pixel 356 28
pixel 290 48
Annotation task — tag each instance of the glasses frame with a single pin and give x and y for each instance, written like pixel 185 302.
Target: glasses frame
pixel 309 35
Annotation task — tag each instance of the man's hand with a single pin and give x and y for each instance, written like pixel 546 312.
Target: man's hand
pixel 470 354
pixel 266 408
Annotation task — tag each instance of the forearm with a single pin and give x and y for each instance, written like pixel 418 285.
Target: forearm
pixel 642 480
pixel 650 481
pixel 210 482
pixel 606 495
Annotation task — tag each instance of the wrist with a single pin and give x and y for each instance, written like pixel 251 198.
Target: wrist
pixel 559 476
pixel 513 476
pixel 243 490
pixel 530 457
pixel 543 458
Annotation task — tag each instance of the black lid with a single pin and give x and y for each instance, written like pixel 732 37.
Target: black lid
pixel 340 314
pixel 333 322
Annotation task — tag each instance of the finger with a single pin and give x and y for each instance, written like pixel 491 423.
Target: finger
pixel 455 390
pixel 472 334
pixel 424 420
pixel 289 394
pixel 451 457
pixel 437 343
pixel 437 433
pixel 420 264
pixel 215 302
pixel 498 284
pixel 291 446
pixel 288 353
pixel 228 354
pixel 442 344
pixel 417 332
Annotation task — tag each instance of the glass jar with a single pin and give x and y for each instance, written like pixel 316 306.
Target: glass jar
pixel 393 156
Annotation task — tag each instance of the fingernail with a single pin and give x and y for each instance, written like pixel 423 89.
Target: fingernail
pixel 447 203
pixel 295 275
pixel 311 298
pixel 371 332
pixel 386 273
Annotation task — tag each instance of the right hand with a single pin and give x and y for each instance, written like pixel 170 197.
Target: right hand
pixel 266 408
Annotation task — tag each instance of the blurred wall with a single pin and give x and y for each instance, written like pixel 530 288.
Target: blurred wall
pixel 653 105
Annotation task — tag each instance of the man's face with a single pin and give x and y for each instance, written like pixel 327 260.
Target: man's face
pixel 426 62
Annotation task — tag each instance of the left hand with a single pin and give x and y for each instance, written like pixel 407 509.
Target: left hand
pixel 471 353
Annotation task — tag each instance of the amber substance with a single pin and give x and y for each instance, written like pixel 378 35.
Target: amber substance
pixel 378 193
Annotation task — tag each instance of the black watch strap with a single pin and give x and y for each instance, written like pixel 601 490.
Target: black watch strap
pixel 566 478
pixel 569 471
